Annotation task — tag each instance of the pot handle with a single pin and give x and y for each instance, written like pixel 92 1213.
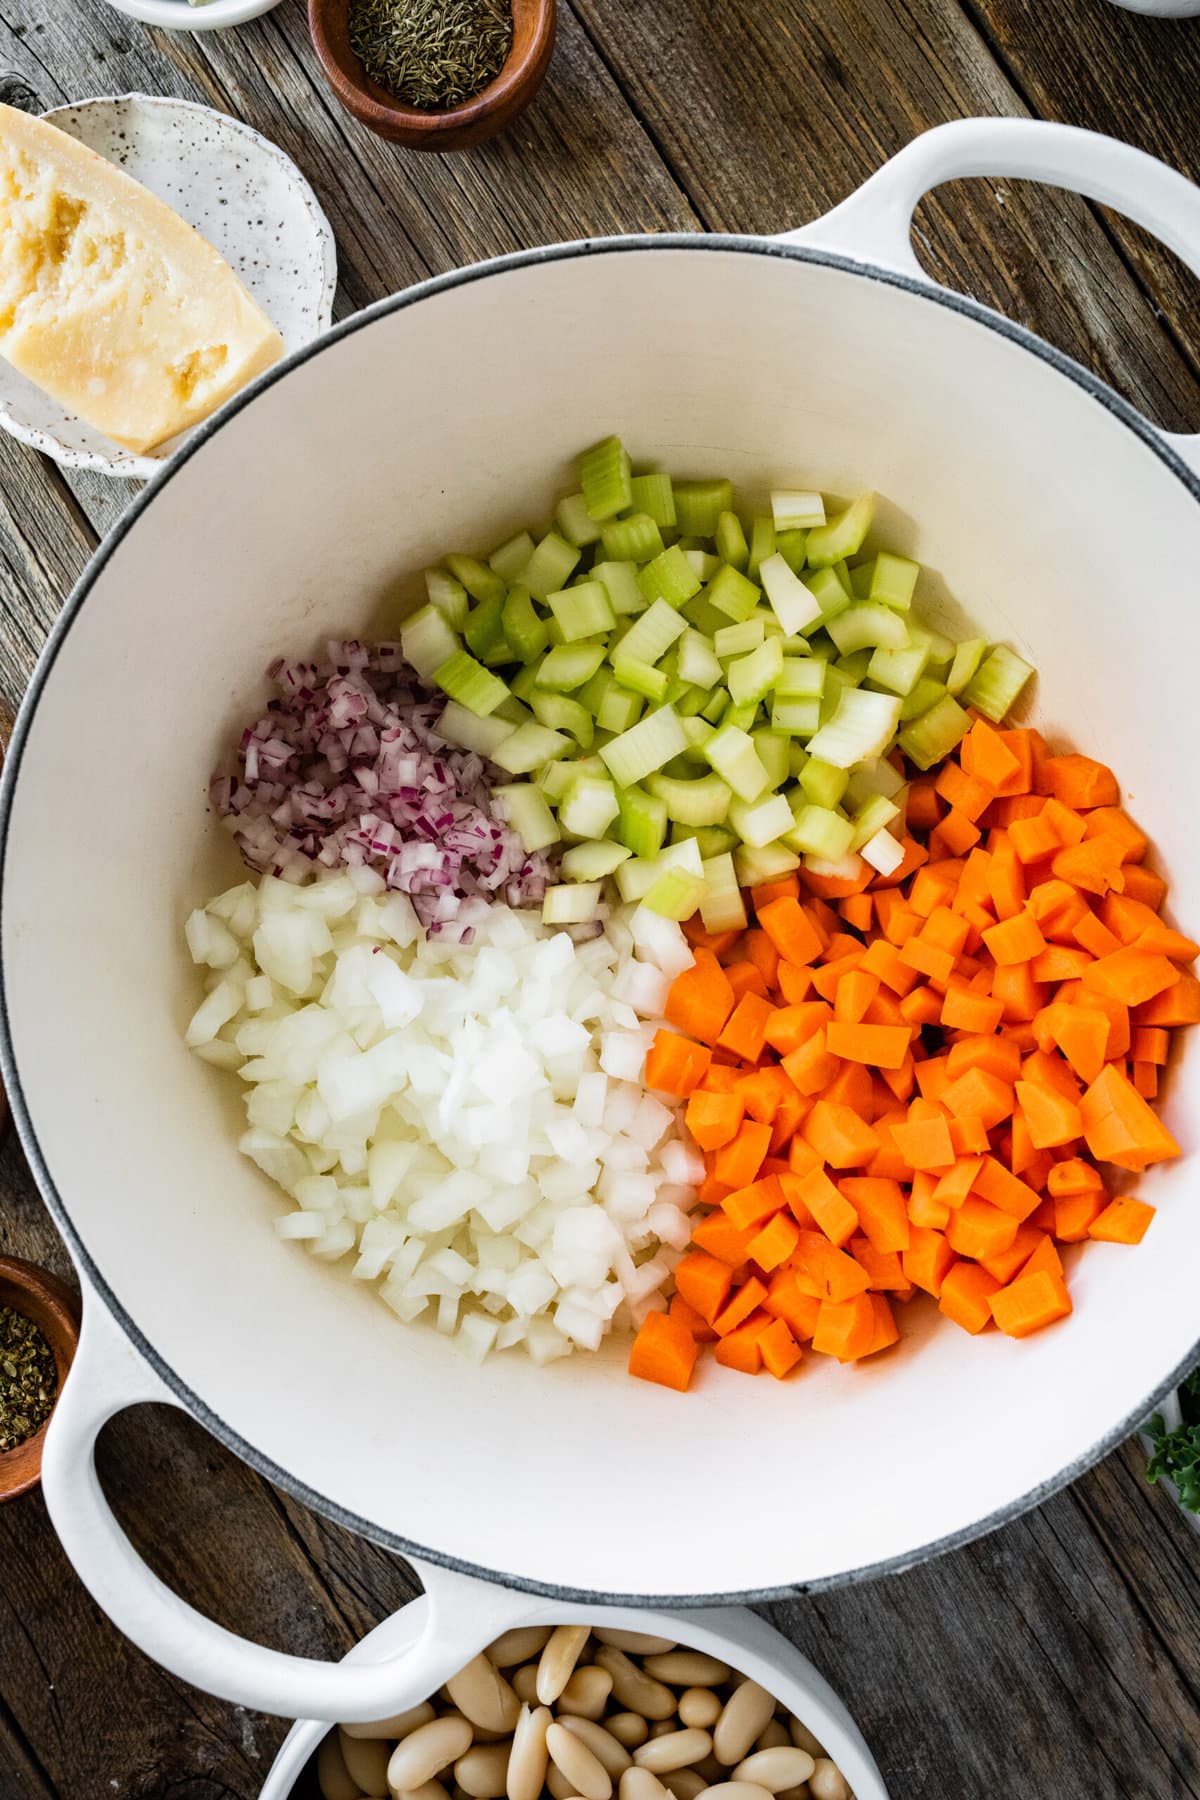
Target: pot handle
pixel 875 223
pixel 108 1375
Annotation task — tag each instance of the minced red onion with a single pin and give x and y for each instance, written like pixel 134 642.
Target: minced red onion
pixel 346 767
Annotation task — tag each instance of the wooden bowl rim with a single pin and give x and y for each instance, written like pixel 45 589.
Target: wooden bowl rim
pixel 55 1310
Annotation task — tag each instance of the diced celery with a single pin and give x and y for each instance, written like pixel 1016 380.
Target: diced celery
pixel 883 852
pixel 526 679
pixel 637 877
pixel 714 708
pixel 651 636
pixel 588 807
pixel 761 822
pixel 564 714
pixel 840 868
pixel 675 895
pixel 732 594
pixel 669 577
pixel 448 595
pixel 699 505
pixel 940 649
pixel 863 725
pixel 878 777
pixel 574 903
pixel 713 840
pixel 618 710
pixel 704 801
pixel 931 738
pixel 898 670
pixel 591 694
pixel 636 539
pixel 593 860
pixel 554 778
pixel 894 580
pixel 691 701
pixel 794 605
pixel 793 547
pixel 796 511
pixel 722 907
pixel 798 758
pixel 526 809
pixel 639 677
pixel 798 718
pixel 801 678
pixel 703 564
pixel 697 731
pixel 480 582
pixel 529 747
pixel 606 479
pixel 750 678
pixel 619 580
pixel 997 682
pixel 698 661
pixel 829 591
pixel 523 625
pixel 844 535
pixel 647 746
pixel 767 864
pixel 732 754
pixel 470 684
pixel 510 558
pixel 861 577
pixel 469 731
pixel 654 495
pixel 514 711
pixel 568 666
pixel 927 693
pixel 740 717
pixel 575 522
pixel 967 657
pixel 641 821
pixel 762 545
pixel 822 784
pixel 484 631
pixel 731 541
pixel 818 831
pixel 582 612
pixel 865 624
pixel 550 567
pixel 736 640
pixel 875 814
pixel 427 641
pixel 773 751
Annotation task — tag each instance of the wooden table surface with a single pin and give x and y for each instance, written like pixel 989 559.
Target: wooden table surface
pixel 1059 1658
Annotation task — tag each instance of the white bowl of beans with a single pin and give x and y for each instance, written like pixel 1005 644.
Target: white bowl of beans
pixel 704 1705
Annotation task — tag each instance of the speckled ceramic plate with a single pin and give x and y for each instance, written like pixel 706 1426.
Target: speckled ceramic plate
pixel 242 194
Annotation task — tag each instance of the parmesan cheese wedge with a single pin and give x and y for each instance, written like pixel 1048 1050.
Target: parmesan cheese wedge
pixel 109 300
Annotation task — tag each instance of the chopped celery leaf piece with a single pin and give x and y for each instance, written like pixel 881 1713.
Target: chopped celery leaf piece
pixel 606 479
pixel 997 682
pixel 670 577
pixel 794 605
pixel 843 536
pixel 894 580
pixel 480 582
pixel 732 547
pixel 528 812
pixel 649 745
pixel 567 666
pixel 699 505
pixel 654 495
pixel 795 511
pixel 931 738
pixel 470 684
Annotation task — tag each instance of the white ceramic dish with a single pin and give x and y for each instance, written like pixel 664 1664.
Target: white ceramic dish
pixel 1162 9
pixel 241 193
pixel 177 15
pixel 1048 507
pixel 730 1633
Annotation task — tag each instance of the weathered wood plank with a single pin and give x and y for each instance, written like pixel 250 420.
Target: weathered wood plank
pixel 44 543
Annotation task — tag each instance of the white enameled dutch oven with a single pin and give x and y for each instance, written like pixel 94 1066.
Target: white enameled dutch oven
pixel 1053 512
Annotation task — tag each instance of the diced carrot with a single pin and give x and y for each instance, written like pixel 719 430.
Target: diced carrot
pixel 884 1267
pixel 902 923
pixel 744 979
pixel 1073 993
pixel 1073 1176
pixel 1006 1263
pixel 995 1184
pixel 664 1351
pixel 954 836
pixel 738 1162
pixel 966 1291
pixel 1044 1257
pixel 1057 907
pixel 1050 1118
pixel 925 1142
pixel 810 1067
pixel 1029 1303
pixel 969 1136
pixel 750 1205
pixel 927 959
pixel 857 910
pixel 824 1271
pixel 1015 940
pixel 1094 865
pixel 1032 837
pixel 801 1158
pixel 845 1329
pixel 954 1186
pixel 740 1348
pixel 880 1046
pixel 745 1031
pixel 720 1237
pixel 795 984
pixel 1117 824
pixel 761 1091
pixel 855 992
pixel 884 960
pixel 1144 1076
pixel 964 1010
pixel 789 1112
pixel 700 999
pixel 774 1243
pixel 1080 782
pixel 933 1077
pixel 1081 1033
pixel 791 930
pixel 791 1026
pixel 927 1260
pixel 834 1213
pixel 1131 975
pixel 779 1350
pixel 1178 1005
pixel 978 1229
pixel 722 1078
pixel 839 1136
pixel 719 942
pixel 980 1094
pixel 1074 1215
pixel 1149 1043
pixel 915 856
pixel 675 1065
pixel 981 1050
pixel 1020 996
pixel 704 1282
pixel 713 1119
pixel 1165 941
pixel 962 792
pixel 925 1210
pixel 1123 1221
pixel 1145 885
pixel 837 887
pixel 946 929
pixel 711 1192
pixel 924 810
pixel 787 887
pixel 987 755
pixel 687 1315
pixel 739 1307
pixel 1119 1125
pixel 785 1301
pixel 885 1332
pixel 763 954
pixel 1094 936
pixel 879 1206
pixel 853 1086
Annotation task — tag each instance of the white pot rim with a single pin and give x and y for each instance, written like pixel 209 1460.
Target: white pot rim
pixel 724 244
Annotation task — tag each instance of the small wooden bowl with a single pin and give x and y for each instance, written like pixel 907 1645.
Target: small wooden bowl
pixel 54 1309
pixel 488 112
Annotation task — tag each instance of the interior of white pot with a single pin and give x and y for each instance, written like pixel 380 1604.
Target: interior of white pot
pixel 450 421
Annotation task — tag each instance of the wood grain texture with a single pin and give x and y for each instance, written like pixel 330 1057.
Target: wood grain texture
pixel 1056 1660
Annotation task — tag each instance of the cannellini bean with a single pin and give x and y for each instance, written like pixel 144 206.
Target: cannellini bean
pixel 803 1738
pixel 608 1751
pixel 640 1784
pixel 796 1793
pixel 744 1715
pixel 629 1728
pixel 634 1689
pixel 483 1772
pixel 524 1684
pixel 333 1777
pixel 366 1761
pixel 558 1785
pixel 827 1781
pixel 711 1770
pixel 677 1750
pixel 513 1647
pixel 685 1784
pixel 563 1650
pixel 483 1696
pixel 398 1726
pixel 428 1750
pixel 582 1768
pixel 636 1643
pixel 428 1790
pixel 586 1694
pixel 776 1769
pixel 774 1734
pixel 661 1727
pixel 700 1706
pixel 529 1756
pixel 735 1790
pixel 686 1668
